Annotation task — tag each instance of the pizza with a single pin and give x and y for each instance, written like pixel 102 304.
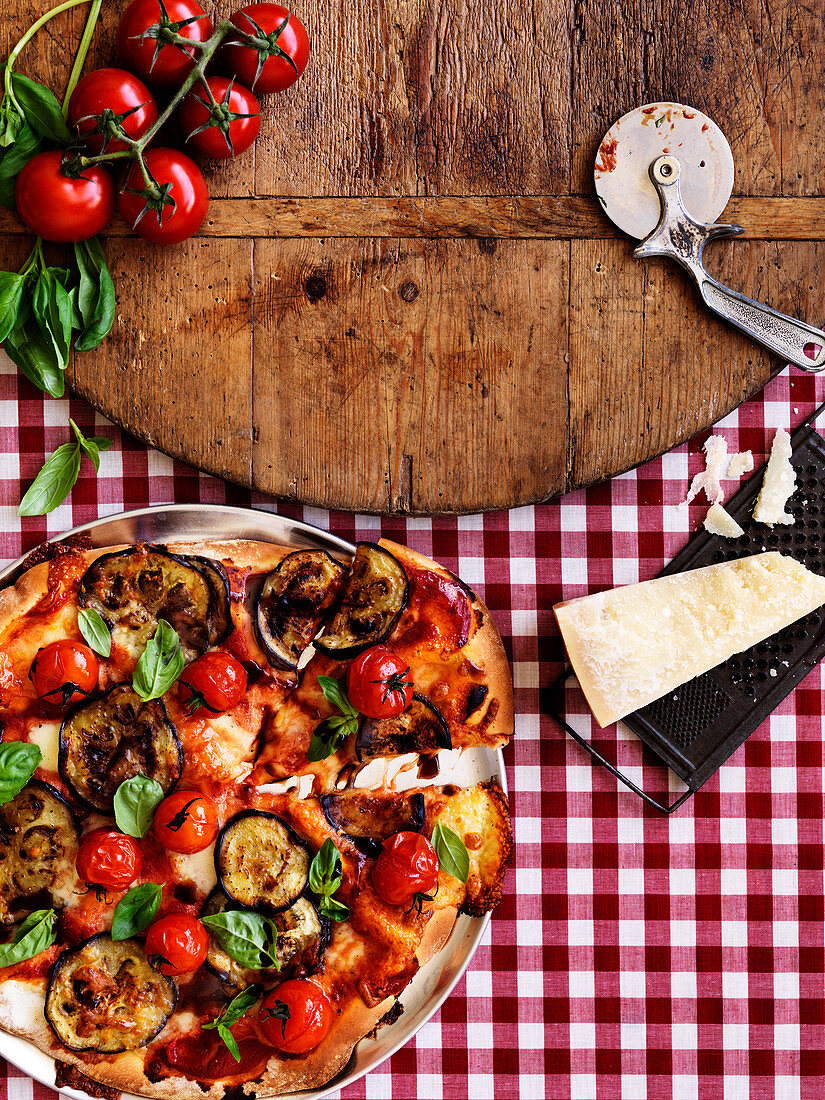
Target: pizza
pixel 230 831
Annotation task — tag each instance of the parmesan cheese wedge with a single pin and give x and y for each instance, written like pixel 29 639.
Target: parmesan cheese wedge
pixel 631 645
pixel 720 522
pixel 779 483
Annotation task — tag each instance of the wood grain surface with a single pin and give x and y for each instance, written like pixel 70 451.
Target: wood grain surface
pixel 406 297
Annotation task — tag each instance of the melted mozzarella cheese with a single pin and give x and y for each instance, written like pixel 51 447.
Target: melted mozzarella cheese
pixel 46 735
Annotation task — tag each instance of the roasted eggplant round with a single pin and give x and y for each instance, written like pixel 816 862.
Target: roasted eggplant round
pixel 368 819
pixel 113 737
pixel 373 596
pixel 260 862
pixel 107 997
pixel 420 728
pixel 38 847
pixel 302 939
pixel 133 589
pixel 292 603
pixel 220 624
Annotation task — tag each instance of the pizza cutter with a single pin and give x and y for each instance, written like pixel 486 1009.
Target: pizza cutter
pixel 664 174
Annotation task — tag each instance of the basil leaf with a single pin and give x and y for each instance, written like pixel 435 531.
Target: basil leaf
pixel 229 1041
pixel 96 294
pixel 451 851
pixel 335 694
pixel 326 873
pixel 91 446
pixel 18 762
pixel 95 632
pixel 236 1008
pixel 160 664
pixel 35 934
pixel 11 295
pixel 333 909
pixel 54 482
pixel 16 157
pixel 249 938
pixel 135 802
pixel 53 312
pixel 328 735
pixel 42 110
pixel 11 122
pixel 35 356
pixel 136 910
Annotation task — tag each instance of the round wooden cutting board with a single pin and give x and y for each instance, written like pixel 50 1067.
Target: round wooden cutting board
pixel 406 299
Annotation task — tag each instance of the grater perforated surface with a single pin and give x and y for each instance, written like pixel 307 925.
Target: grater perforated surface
pixel 695 728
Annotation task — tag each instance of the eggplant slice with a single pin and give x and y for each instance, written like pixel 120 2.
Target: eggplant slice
pixel 420 728
pixel 220 623
pixel 133 589
pixel 369 819
pixel 374 595
pixel 302 939
pixel 260 862
pixel 292 602
pixel 38 848
pixel 107 997
pixel 113 737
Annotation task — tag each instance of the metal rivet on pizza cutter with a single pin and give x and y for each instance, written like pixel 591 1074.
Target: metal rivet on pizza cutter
pixel 664 174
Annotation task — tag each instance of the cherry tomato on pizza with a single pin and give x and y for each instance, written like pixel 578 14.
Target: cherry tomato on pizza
pixel 143 39
pixel 213 684
pixel 177 944
pixel 107 101
pixel 407 865
pixel 186 822
pixel 64 672
pixel 379 684
pixel 220 118
pixel 60 207
pixel 109 859
pixel 277 56
pixel 177 205
pixel 296 1016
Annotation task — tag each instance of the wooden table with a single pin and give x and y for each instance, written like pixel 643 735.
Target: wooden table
pixel 406 298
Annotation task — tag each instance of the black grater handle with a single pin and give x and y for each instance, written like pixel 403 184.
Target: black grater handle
pixel 605 763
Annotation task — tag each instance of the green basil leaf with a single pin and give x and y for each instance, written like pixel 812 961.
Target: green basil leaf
pixel 54 482
pixel 42 110
pixel 12 286
pixel 11 122
pixel 229 1041
pixel 26 145
pixel 249 938
pixel 135 802
pixel 18 762
pixel 236 1008
pixel 35 934
pixel 335 694
pixel 160 664
pixel 96 294
pixel 95 633
pixel 451 851
pixel 91 446
pixel 53 311
pixel 328 735
pixel 326 870
pixel 35 356
pixel 333 909
pixel 136 910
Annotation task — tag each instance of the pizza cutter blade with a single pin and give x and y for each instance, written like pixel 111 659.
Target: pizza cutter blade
pixel 664 174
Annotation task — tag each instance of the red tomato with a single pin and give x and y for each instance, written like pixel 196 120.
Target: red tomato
pixel 176 220
pixel 177 944
pixel 137 49
pixel 223 130
pixel 213 684
pixel 186 822
pixel 108 99
pixel 279 53
pixel 108 858
pixel 64 672
pixel 309 1016
pixel 407 865
pixel 379 684
pixel 59 208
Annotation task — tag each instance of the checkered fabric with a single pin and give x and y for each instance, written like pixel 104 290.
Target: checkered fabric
pixel 633 956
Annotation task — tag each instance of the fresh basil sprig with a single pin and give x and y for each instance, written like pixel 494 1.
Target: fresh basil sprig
pixel 231 1014
pixel 60 471
pixel 328 734
pixel 95 294
pixel 452 853
pixel 325 876
pixel 95 632
pixel 41 109
pixel 35 934
pixel 160 664
pixel 135 802
pixel 136 910
pixel 27 143
pixel 249 938
pixel 18 762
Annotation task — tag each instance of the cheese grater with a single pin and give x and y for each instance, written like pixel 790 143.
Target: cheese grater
pixel 696 727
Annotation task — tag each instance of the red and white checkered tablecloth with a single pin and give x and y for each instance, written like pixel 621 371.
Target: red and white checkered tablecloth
pixel 633 956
